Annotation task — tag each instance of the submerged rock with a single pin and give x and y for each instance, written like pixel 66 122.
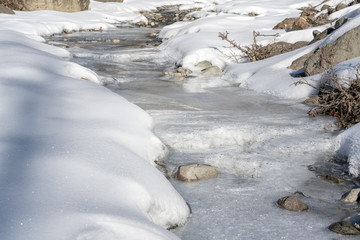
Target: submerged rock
pixel 194 172
pixel 344 228
pixel 292 203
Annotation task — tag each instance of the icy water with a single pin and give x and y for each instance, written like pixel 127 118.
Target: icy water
pixel 261 145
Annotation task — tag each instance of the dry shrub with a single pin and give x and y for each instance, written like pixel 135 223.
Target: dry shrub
pixel 338 97
pixel 251 52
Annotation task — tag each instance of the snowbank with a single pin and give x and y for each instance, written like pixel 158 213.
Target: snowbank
pixel 77 159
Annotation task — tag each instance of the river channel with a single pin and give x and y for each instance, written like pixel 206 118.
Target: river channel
pixel 261 145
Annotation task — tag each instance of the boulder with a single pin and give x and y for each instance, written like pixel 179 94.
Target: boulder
pixel 330 177
pixel 292 203
pixel 344 228
pixel 351 196
pixel 325 7
pixel 299 63
pixel 194 172
pixel 6 10
pixel 344 48
pixel 211 71
pixel 293 24
pixel 34 5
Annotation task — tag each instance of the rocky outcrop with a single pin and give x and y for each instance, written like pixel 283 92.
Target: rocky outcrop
pixel 6 10
pixel 34 5
pixel 194 172
pixel 344 48
pixel 292 203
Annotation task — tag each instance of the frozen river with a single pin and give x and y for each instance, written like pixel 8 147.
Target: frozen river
pixel 261 145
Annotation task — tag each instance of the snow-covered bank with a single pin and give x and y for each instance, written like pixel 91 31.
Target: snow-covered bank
pixel 77 159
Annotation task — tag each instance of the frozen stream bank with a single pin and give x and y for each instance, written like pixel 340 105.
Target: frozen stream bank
pixel 262 146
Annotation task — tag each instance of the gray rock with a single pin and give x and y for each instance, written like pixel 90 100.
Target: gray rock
pixel 293 24
pixel 204 64
pixel 352 196
pixel 322 35
pixel 341 22
pixel 292 203
pixel 211 71
pixel 184 71
pixel 344 228
pixel 34 5
pixel 299 63
pixel 344 48
pixel 194 172
pixel 6 10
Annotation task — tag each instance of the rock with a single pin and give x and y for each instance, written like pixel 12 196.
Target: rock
pixel 316 33
pixel 344 48
pixel 329 177
pixel 6 10
pixel 299 63
pixel 322 35
pixel 195 172
pixel 344 228
pixel 292 203
pixel 293 24
pixel 34 5
pixel 184 71
pixel 211 71
pixel 340 6
pixel 203 64
pixel 341 22
pixel 351 196
pixel 279 48
pixel 325 7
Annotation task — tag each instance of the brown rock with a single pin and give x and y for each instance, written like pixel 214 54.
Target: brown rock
pixel 329 177
pixel 6 10
pixel 344 228
pixel 325 7
pixel 34 5
pixel 194 172
pixel 293 24
pixel 340 6
pixel 279 48
pixel 344 48
pixel 292 203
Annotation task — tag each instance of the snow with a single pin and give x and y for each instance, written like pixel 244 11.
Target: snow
pixel 78 159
